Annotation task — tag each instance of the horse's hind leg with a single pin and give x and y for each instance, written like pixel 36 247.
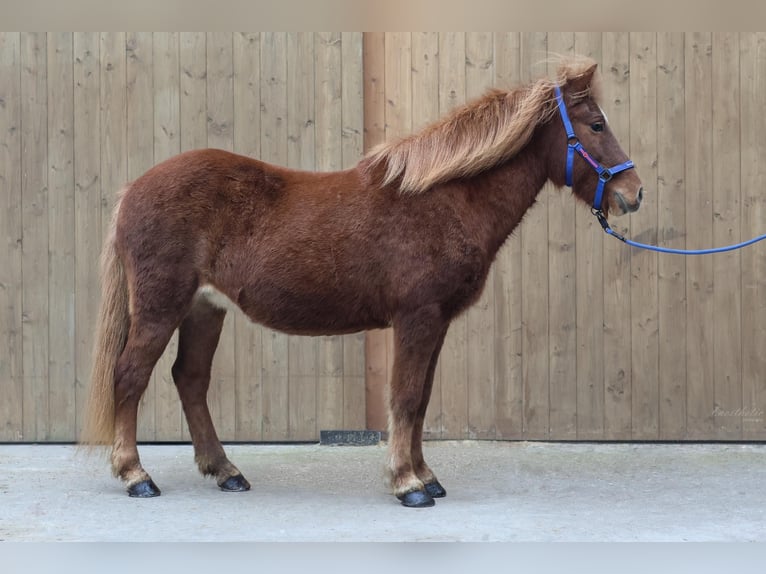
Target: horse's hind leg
pixel 144 346
pixel 198 338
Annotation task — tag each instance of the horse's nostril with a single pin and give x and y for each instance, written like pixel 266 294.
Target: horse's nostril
pixel 640 194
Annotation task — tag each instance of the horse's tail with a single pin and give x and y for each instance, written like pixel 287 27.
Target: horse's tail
pixel 111 334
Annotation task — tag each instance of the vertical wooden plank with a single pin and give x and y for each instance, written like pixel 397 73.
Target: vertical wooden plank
pixel 617 333
pixel 114 163
pixel 534 268
pixel 480 320
pixel 352 143
pixel 302 392
pixel 328 137
pixel 11 359
pixel 670 199
pixel 247 141
pixel 453 364
pixel 699 229
pixel 376 365
pixel 220 119
pixel 61 247
pixel 562 289
pixel 508 281
pixel 643 265
pixel 752 50
pixel 274 367
pixel 193 90
pixel 192 105
pixel 589 287
pixel 113 123
pixel 87 176
pixel 425 110
pixel 167 143
pixel 34 222
pixel 753 150
pixel 140 158
pixel 727 269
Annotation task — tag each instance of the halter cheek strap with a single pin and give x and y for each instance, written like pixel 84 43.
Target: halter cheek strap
pixel 574 145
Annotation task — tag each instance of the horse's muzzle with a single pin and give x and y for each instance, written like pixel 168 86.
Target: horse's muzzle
pixel 628 206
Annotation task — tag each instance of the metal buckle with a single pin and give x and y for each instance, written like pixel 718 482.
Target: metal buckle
pixel 601 219
pixel 605 175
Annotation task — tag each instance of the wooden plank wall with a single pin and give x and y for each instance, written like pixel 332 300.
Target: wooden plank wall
pixel 578 337
pixel 83 113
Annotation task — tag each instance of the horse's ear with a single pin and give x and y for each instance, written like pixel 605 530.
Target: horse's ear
pixel 580 85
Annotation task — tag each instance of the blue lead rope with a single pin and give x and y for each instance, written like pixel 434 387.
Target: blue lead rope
pixel 604 175
pixel 609 231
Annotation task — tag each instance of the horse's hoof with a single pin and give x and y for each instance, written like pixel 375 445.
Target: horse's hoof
pixel 416 499
pixel 236 483
pixel 144 489
pixel 435 489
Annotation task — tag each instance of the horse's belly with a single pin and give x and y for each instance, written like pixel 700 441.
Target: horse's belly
pixel 298 313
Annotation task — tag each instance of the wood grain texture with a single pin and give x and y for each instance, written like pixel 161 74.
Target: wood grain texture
pixel 727 267
pixel 534 269
pixel 752 47
pixel 61 239
pixel 11 360
pixel 671 217
pixel 87 181
pixel 699 342
pixel 615 52
pixel 34 234
pixel 643 265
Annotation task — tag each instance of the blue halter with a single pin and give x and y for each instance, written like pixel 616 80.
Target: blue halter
pixel 574 145
pixel 604 175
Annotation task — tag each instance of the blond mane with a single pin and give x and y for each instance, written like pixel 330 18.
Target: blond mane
pixel 474 137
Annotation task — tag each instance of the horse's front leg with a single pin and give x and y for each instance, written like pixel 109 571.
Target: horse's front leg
pixel 417 335
pixel 424 472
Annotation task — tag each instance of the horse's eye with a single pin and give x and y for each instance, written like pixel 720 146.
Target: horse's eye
pixel 597 127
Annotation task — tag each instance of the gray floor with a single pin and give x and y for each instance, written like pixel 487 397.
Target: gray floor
pixel 497 491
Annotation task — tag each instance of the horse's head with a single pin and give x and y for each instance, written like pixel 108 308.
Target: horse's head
pixel 592 161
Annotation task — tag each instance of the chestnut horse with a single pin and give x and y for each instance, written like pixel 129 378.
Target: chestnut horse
pixel 404 239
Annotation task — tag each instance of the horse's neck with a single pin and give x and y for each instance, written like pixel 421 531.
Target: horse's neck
pixel 504 194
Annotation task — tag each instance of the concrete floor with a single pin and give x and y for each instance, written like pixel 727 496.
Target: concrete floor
pixel 497 491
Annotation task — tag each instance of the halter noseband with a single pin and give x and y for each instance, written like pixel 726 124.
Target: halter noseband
pixel 574 145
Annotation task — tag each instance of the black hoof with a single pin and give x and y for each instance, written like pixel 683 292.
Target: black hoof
pixel 435 489
pixel 144 489
pixel 416 499
pixel 236 483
